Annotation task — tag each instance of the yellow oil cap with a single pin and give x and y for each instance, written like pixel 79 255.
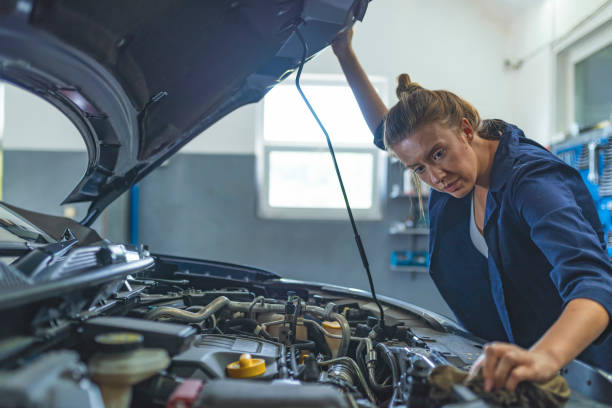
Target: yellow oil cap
pixel 332 326
pixel 246 367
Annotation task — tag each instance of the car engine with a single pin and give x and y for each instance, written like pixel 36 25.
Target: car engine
pixel 185 333
pixel 111 326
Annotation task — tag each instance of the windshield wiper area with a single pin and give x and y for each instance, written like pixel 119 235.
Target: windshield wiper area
pixel 33 264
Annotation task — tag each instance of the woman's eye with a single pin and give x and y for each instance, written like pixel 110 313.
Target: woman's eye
pixel 419 170
pixel 438 154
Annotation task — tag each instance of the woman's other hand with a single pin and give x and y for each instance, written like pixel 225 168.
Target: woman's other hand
pixel 505 365
pixel 343 43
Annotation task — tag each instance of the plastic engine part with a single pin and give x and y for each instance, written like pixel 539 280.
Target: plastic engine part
pixel 277 394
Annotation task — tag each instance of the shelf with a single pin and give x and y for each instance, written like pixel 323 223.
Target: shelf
pixel 411 231
pixel 406 268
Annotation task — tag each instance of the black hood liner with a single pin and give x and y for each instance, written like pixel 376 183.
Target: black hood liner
pixel 141 78
pixel 176 61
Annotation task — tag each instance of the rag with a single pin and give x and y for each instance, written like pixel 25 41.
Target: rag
pixel 553 393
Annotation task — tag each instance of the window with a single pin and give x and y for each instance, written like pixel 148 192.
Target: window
pixel 583 73
pixel 296 176
pixel 593 88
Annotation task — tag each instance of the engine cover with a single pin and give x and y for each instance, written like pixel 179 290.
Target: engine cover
pixel 208 356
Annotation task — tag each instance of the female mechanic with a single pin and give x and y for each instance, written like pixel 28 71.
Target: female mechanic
pixel 516 247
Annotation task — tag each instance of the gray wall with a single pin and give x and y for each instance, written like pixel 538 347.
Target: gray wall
pixel 205 206
pixel 41 180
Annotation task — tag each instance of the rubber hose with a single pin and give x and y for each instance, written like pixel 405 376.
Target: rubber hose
pixel 346 333
pixel 315 334
pixel 390 360
pixel 190 317
pixel 250 324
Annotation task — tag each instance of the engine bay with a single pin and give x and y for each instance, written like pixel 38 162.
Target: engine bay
pixel 164 331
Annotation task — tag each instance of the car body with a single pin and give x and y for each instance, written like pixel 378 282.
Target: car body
pixel 140 80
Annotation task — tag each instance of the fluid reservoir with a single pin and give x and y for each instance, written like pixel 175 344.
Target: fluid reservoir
pixel 301 330
pixel 122 362
pixel 333 343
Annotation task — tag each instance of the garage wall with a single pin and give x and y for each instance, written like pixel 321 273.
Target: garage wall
pixel 535 37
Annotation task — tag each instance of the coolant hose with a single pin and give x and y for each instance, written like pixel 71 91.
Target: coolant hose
pixel 190 317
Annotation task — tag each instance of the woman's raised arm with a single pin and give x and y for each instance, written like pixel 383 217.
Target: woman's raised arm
pixel 370 103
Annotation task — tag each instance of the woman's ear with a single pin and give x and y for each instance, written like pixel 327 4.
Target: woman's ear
pixel 467 130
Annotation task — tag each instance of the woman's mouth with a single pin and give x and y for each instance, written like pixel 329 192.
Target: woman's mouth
pixel 452 186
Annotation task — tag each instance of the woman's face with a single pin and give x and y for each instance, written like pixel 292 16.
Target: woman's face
pixel 442 157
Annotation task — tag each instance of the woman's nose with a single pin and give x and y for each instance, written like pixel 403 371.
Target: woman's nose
pixel 436 175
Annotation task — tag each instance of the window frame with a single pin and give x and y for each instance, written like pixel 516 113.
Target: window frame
pixel 592 37
pixel 264 148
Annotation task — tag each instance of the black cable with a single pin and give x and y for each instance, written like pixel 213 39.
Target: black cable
pixel 390 360
pixel 305 345
pixel 359 357
pixel 362 254
pixel 315 333
pixel 249 324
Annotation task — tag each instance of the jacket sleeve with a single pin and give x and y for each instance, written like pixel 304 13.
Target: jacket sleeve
pixel 555 204
pixel 379 136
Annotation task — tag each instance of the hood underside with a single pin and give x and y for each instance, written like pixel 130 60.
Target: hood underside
pixel 140 79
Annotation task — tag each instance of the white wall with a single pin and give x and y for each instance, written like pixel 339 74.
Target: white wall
pixel 536 37
pixel 447 44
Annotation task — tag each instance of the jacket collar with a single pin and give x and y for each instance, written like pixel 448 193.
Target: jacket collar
pixel 504 157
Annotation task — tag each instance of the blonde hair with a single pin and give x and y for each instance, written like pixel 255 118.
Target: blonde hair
pixel 418 106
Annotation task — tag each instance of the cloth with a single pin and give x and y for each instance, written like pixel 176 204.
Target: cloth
pixel 475 235
pixel 546 248
pixel 553 393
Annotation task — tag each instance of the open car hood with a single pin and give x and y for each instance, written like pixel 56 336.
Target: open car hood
pixel 140 79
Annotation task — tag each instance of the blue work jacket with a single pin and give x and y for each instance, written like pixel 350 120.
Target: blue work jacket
pixel 546 248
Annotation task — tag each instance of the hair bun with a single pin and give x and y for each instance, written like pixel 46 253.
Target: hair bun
pixel 404 84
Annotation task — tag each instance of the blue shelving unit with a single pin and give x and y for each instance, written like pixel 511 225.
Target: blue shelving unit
pixel 591 154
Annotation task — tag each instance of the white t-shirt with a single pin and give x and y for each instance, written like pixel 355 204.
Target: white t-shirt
pixel 477 238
